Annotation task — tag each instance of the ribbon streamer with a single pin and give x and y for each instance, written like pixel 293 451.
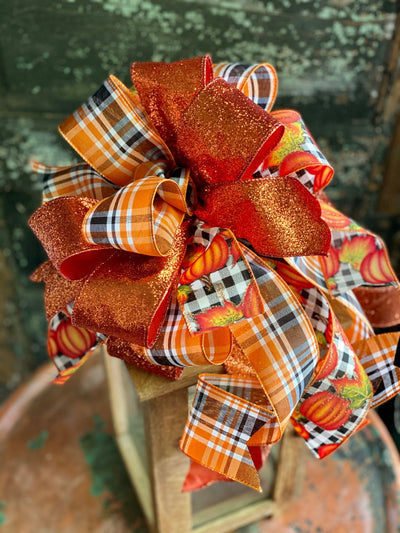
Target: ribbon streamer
pixel 192 234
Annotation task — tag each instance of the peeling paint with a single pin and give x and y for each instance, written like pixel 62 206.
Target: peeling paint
pixel 109 477
pixel 39 442
pixel 2 513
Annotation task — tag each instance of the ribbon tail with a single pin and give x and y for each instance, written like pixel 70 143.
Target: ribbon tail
pixel 377 355
pixel 339 397
pixel 280 345
pixel 226 412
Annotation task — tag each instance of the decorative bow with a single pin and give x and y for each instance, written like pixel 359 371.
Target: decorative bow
pixel 191 235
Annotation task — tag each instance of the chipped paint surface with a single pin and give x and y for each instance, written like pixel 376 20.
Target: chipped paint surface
pixel 2 513
pixel 330 57
pixel 109 479
pixel 39 442
pixel 328 47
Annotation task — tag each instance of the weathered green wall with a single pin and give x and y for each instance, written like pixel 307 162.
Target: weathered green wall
pixel 331 57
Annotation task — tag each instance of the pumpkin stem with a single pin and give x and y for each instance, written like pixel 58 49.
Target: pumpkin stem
pixel 205 278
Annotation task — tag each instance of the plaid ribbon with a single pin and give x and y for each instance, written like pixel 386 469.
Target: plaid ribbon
pixel 258 82
pixel 142 217
pixel 227 412
pixel 377 356
pixel 111 135
pixel 74 180
pixel 175 346
pixel 281 347
pixel 280 344
pixel 360 327
pixel 318 311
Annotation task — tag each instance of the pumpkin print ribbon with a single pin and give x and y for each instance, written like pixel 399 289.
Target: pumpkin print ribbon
pixel 193 234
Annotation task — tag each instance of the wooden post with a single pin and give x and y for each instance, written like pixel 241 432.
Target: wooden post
pixel 168 466
pixel 290 469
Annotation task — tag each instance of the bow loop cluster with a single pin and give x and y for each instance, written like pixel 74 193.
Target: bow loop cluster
pixel 192 234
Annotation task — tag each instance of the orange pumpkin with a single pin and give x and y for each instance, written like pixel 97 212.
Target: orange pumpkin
pixel 328 363
pixel 327 449
pixel 326 410
pixel 298 160
pixel 73 341
pixel 375 268
pixel 335 219
pixel 52 348
pixel 193 252
pixel 330 263
pixel 293 277
pixel 218 317
pixel 252 304
pixel 214 258
pixel 286 116
pixel 323 175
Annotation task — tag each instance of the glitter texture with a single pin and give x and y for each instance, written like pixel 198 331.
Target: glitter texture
pixel 237 363
pixel 224 136
pixel 58 225
pixel 167 89
pixel 277 215
pixel 59 292
pixel 134 355
pixel 128 295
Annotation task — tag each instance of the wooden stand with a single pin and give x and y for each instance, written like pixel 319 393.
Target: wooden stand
pixel 149 414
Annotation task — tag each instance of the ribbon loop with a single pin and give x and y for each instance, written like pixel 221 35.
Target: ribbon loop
pixel 142 217
pixel 58 225
pixel 111 134
pixel 73 180
pixel 128 295
pixel 261 212
pixel 298 154
pixel 258 82
pixel 175 346
pixel 167 89
pixel 224 136
pixel 377 355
